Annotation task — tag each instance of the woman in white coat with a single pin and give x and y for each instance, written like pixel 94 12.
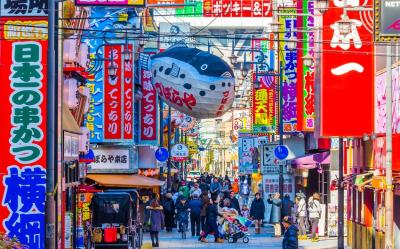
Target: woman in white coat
pixel 301 214
pixel 314 213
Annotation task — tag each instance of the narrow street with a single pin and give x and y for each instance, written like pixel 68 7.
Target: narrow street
pixel 264 240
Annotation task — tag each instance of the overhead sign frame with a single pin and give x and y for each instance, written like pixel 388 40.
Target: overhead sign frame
pixel 111 3
pixel 387 20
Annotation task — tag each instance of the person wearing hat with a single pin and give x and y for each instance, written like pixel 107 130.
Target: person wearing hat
pixel 290 240
pixel 301 214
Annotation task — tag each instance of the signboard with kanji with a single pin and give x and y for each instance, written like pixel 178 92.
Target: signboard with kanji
pixel 179 152
pixel 23 8
pixel 23 138
pixel 112 160
pixel 237 8
pixel 305 76
pixel 265 95
pixel 289 59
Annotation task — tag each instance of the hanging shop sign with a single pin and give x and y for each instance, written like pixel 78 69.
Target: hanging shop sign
pixel 241 122
pixel 202 87
pixel 305 74
pixel 345 102
pixel 110 3
pixel 188 123
pixel 237 8
pixel 148 111
pixel 264 95
pixel 26 8
pixel 113 160
pixel 23 67
pixel 191 9
pixel 289 60
pixel 179 152
pixel 110 116
pixel 380 102
pixel 172 33
pixel 248 153
pixel 269 164
pixel 387 20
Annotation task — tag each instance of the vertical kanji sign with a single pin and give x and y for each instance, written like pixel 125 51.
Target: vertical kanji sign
pixel 128 96
pixel 148 110
pixel 23 134
pixel 305 74
pixel 288 58
pixel 347 88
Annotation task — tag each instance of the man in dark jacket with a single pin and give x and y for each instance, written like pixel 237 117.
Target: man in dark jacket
pixel 234 202
pixel 204 186
pixel 290 240
pixel 287 206
pixel 257 210
pixel 195 211
pixel 212 221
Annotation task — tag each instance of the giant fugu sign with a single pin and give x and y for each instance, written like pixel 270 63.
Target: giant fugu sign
pixel 192 81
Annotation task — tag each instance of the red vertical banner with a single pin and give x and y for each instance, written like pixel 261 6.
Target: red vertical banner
pixel 23 96
pixel 113 93
pixel 148 110
pixel 128 96
pixel 347 88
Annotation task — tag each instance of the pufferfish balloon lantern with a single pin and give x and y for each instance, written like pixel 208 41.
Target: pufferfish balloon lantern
pixel 192 81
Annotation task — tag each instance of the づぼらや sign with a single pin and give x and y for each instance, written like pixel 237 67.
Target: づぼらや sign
pixel 111 160
pixel 179 152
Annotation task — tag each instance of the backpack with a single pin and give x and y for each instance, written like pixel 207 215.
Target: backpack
pixel 168 206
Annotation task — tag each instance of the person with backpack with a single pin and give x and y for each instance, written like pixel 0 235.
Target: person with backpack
pixel 301 214
pixel 169 212
pixel 314 214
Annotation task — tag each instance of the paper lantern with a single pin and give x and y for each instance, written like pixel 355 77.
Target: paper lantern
pixel 192 81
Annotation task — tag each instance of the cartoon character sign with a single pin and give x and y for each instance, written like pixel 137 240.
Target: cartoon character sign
pixel 192 81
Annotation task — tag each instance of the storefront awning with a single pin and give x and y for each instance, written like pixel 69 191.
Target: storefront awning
pixel 68 121
pixel 311 161
pixel 124 181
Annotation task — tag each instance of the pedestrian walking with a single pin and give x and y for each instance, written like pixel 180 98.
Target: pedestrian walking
pixel 301 214
pixel 290 240
pixel 314 214
pixel 182 214
pixel 205 202
pixel 287 206
pixel 156 221
pixel 195 190
pixel 257 210
pixel 235 186
pixel 275 218
pixel 215 187
pixel 195 206
pixel 212 221
pixel 245 192
pixel 204 186
pixel 234 202
pixel 184 189
pixel 169 212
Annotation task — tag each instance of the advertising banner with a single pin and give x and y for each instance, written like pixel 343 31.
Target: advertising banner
pixel 23 63
pixel 345 102
pixel 289 60
pixel 380 102
pixel 265 95
pixel 26 8
pixel 305 74
pixel 237 8
pixel 148 111
pixel 387 20
pixel 248 153
pixel 166 3
pixel 110 2
pixel 112 160
pixel 172 33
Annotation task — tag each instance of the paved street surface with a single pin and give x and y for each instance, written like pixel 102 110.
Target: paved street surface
pixel 265 240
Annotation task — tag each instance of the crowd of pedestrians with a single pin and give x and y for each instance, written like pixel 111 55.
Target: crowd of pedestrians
pixel 207 201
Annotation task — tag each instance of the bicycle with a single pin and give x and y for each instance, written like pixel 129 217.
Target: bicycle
pixel 183 220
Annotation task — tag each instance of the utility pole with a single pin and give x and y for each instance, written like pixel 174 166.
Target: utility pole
pixel 51 129
pixel 389 184
pixel 341 198
pixel 161 113
pixel 169 151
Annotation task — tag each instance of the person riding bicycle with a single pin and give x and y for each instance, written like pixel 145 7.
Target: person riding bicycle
pixel 182 213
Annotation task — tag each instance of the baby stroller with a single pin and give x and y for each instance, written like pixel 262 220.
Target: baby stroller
pixel 237 228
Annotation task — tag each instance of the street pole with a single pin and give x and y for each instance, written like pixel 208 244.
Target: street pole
pixel 389 184
pixel 161 113
pixel 281 179
pixel 341 198
pixel 169 151
pixel 51 129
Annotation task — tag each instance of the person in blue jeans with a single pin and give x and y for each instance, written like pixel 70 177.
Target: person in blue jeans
pixel 212 221
pixel 195 211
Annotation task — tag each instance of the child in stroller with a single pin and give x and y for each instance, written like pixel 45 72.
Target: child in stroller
pixel 237 228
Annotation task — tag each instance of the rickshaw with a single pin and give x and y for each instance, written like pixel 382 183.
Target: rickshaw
pixel 113 223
